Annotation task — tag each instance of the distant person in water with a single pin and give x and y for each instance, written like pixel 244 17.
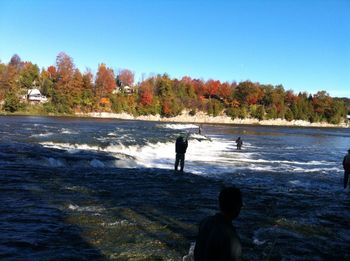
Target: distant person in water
pixel 200 129
pixel 239 143
pixel 346 166
pixel 180 149
pixel 217 238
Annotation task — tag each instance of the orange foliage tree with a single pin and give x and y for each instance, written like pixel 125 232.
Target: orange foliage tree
pixel 212 87
pixel 105 81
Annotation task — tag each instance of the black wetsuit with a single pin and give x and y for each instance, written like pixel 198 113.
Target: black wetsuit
pixel 239 143
pixel 180 149
pixel 217 240
pixel 346 166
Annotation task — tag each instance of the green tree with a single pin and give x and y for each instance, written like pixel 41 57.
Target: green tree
pixel 257 112
pixel 28 75
pixel 289 115
pixel 12 102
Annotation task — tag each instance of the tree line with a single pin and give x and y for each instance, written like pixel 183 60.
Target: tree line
pixel 70 91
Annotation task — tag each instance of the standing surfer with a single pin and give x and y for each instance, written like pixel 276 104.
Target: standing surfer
pixel 239 143
pixel 180 149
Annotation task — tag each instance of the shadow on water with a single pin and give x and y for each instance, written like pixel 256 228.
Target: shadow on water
pixel 140 214
pixel 80 212
pixel 96 213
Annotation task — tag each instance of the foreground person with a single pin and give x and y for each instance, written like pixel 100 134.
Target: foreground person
pixel 346 166
pixel 217 239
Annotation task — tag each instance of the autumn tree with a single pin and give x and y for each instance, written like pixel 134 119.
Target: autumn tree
pixel 212 87
pixel 125 77
pixel 225 90
pixel 146 93
pixel 65 69
pixel 104 83
pixel 248 93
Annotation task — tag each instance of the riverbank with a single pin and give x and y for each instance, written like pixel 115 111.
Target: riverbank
pixel 185 117
pixel 201 117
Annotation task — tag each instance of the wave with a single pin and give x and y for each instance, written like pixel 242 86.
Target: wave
pixel 204 155
pixel 42 134
pixel 68 131
pixel 158 155
pixel 97 210
pixel 179 126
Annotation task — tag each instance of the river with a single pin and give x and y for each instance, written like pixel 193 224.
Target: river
pixel 105 189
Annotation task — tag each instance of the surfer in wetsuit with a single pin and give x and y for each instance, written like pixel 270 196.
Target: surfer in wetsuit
pixel 346 166
pixel 180 149
pixel 217 238
pixel 239 143
pixel 200 129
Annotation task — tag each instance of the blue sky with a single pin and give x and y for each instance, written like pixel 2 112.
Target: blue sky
pixel 302 44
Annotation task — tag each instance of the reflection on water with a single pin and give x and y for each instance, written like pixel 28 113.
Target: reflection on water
pixel 104 189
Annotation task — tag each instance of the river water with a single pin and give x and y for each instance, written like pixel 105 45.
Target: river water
pixel 103 189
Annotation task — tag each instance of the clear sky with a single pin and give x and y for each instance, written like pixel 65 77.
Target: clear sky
pixel 302 44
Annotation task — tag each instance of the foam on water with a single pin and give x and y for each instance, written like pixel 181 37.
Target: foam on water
pixel 205 155
pixel 179 126
pixel 68 131
pixel 42 134
pixel 93 209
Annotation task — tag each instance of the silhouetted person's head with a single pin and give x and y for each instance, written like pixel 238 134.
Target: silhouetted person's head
pixel 230 202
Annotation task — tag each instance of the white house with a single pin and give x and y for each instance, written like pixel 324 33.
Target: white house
pixel 34 95
pixel 128 89
pixel 125 89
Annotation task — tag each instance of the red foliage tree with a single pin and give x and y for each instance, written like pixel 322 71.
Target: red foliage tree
pixel 166 107
pixel 212 87
pixel 186 80
pixel 146 93
pixel 199 87
pixel 126 77
pixel 52 72
pixel 225 90
pixel 290 98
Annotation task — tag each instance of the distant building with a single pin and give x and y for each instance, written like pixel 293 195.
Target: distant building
pixel 124 89
pixel 34 95
pixel 128 89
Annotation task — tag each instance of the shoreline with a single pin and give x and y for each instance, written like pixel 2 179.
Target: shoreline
pixel 199 118
pixel 202 118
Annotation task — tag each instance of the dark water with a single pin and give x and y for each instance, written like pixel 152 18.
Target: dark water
pixel 90 189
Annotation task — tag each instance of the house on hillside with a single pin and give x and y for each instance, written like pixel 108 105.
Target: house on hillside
pixel 34 95
pixel 124 89
pixel 128 89
pixel 347 120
